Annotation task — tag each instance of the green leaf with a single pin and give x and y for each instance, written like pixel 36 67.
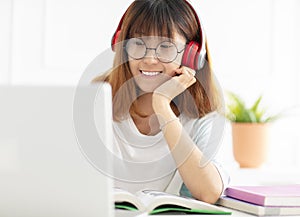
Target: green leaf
pixel 256 104
pixel 236 111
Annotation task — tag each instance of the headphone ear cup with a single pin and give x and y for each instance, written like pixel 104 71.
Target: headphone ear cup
pixel 191 55
pixel 115 39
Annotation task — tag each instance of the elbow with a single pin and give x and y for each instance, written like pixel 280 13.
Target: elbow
pixel 211 199
pixel 211 196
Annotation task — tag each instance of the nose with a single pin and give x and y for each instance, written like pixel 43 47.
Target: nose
pixel 150 57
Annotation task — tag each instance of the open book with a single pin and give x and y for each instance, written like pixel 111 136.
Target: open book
pixel 154 202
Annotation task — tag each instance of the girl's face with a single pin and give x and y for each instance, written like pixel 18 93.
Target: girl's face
pixel 152 60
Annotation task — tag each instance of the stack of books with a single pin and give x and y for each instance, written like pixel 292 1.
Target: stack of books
pixel 275 200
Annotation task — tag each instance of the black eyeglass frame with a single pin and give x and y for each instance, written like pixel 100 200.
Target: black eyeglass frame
pixel 155 49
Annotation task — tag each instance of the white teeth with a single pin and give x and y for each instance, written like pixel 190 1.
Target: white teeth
pixel 150 73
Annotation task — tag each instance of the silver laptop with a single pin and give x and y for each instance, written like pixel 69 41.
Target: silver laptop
pixel 44 170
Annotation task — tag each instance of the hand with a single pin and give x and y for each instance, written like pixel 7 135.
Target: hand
pixel 177 84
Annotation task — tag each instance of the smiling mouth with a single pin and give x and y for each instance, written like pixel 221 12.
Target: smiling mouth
pixel 152 73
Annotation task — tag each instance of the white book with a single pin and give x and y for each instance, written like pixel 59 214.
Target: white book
pixel 258 209
pixel 154 202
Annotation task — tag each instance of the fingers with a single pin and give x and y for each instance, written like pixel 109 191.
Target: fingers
pixel 177 84
pixel 186 76
pixel 190 71
pixel 185 70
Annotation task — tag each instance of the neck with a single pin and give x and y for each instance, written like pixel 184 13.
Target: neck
pixel 143 106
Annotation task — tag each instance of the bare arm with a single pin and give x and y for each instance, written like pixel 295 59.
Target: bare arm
pixel 205 182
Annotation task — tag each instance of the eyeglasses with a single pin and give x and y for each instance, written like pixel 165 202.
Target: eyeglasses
pixel 165 51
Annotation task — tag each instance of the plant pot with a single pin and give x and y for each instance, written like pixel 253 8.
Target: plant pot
pixel 250 143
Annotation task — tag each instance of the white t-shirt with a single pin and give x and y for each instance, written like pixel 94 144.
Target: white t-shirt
pixel 145 162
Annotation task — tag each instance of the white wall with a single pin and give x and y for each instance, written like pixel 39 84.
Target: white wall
pixel 5 39
pixel 254 45
pixel 255 48
pixel 52 41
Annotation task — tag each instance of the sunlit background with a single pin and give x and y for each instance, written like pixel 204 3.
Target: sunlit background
pixel 254 45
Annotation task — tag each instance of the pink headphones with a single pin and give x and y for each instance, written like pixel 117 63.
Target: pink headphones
pixel 194 53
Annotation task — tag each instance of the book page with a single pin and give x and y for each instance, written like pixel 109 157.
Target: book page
pixel 126 200
pixel 161 201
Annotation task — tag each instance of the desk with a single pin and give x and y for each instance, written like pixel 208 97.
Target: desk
pixel 265 175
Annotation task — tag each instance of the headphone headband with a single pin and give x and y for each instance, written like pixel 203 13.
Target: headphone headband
pixel 195 52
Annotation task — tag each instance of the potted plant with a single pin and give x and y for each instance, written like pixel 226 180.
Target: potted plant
pixel 250 131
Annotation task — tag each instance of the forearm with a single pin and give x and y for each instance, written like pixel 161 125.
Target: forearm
pixel 202 180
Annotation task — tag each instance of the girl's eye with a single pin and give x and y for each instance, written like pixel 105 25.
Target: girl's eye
pixel 167 45
pixel 136 42
pixel 139 43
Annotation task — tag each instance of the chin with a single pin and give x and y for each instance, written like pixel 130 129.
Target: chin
pixel 150 83
pixel 147 87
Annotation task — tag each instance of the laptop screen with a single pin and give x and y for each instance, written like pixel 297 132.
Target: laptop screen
pixel 43 170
